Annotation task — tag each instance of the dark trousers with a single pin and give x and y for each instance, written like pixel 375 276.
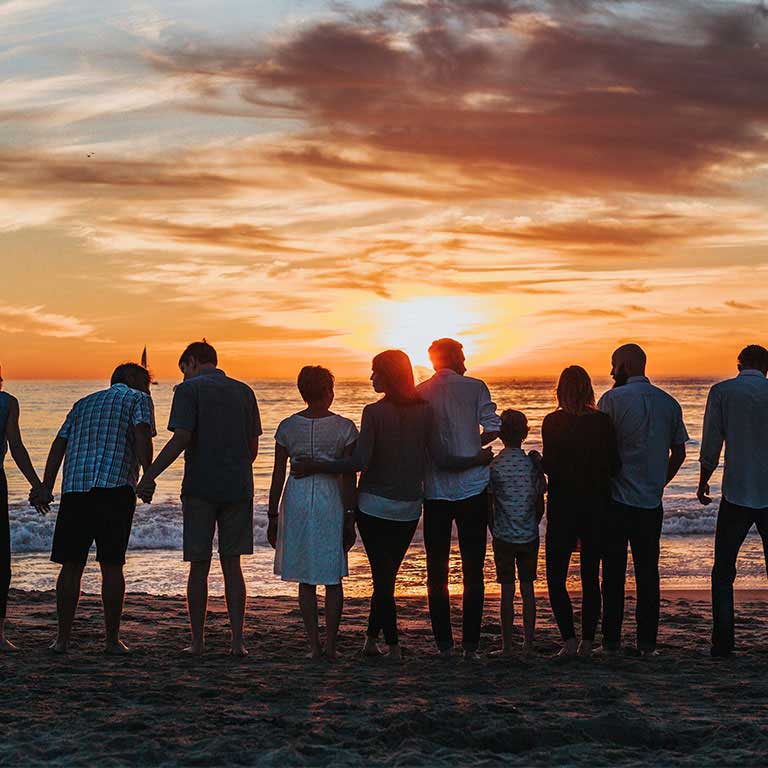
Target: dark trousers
pixel 471 516
pixel 641 529
pixel 386 542
pixel 5 546
pixel 733 524
pixel 561 542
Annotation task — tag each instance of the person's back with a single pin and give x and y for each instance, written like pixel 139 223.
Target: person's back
pixel 99 430
pixel 737 414
pixel 648 422
pixel 580 457
pixel 460 406
pixel 222 416
pixel 397 463
pixel 516 486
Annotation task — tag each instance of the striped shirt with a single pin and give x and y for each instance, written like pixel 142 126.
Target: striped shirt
pixel 99 430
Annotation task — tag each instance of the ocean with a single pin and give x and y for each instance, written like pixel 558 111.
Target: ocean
pixel 154 562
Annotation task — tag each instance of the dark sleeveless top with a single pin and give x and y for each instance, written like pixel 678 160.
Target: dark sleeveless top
pixel 5 405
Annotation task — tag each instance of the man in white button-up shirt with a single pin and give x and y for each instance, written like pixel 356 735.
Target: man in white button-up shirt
pixel 651 439
pixel 737 415
pixel 461 407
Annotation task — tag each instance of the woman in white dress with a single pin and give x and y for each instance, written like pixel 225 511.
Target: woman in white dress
pixel 308 526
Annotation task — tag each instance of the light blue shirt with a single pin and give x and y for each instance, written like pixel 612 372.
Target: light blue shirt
pixel 648 423
pixel 737 415
pixel 461 405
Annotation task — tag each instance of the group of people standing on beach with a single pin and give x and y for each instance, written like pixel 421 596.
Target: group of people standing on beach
pixel 421 452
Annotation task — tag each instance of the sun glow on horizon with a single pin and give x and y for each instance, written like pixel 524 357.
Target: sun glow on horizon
pixel 413 324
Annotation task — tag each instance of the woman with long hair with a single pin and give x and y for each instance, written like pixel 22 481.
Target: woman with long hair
pixel 391 452
pixel 580 457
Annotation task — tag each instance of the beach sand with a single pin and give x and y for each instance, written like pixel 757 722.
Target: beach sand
pixel 157 707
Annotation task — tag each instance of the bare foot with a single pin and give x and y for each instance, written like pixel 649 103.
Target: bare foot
pixel 527 649
pixel 471 656
pixel 315 655
pixel 196 649
pixel 395 653
pixel 6 646
pixel 504 653
pixel 446 654
pixel 565 654
pixel 238 650
pixel 371 649
pixel 585 649
pixel 118 648
pixel 59 646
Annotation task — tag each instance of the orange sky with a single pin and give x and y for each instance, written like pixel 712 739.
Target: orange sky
pixel 311 184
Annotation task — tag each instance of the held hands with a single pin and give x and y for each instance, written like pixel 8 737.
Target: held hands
pixel 484 457
pixel 702 494
pixel 145 490
pixel 40 498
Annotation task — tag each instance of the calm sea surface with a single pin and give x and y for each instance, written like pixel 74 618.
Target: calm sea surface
pixel 155 565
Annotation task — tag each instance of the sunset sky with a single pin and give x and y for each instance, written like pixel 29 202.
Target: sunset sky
pixel 310 182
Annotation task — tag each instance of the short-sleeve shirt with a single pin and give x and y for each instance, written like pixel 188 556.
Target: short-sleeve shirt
pixel 101 444
pixel 223 417
pixel 648 423
pixel 516 485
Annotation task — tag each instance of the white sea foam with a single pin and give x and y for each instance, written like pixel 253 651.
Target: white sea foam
pixel 155 526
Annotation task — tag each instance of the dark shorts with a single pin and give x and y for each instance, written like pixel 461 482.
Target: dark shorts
pixel 234 521
pixel 510 557
pixel 103 515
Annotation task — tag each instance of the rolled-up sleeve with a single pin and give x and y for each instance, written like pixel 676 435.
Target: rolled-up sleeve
pixel 144 413
pixel 712 435
pixel 490 421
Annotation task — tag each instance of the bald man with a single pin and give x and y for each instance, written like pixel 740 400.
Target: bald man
pixel 651 438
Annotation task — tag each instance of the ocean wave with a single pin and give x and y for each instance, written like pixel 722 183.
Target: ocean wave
pixel 159 525
pixel 155 526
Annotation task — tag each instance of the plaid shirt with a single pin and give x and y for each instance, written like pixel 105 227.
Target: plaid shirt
pixel 101 451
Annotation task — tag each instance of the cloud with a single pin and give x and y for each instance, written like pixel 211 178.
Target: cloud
pixel 36 320
pixel 743 305
pixel 536 96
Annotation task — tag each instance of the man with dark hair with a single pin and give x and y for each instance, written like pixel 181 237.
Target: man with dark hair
pixel 105 438
pixel 737 415
pixel 215 423
pixel 651 439
pixel 461 406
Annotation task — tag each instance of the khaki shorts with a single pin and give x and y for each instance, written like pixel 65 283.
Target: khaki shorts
pixel 234 521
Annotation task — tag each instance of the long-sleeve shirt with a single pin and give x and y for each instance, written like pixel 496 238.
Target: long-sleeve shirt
pixel 391 450
pixel 648 422
pixel 461 405
pixel 737 415
pixel 580 458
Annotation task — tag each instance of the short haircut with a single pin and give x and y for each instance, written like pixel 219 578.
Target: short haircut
pixel 130 373
pixel 202 351
pixel 754 356
pixel 314 381
pixel 514 426
pixel 633 352
pixel 445 349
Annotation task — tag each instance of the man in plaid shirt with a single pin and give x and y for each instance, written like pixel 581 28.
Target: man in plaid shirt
pixel 103 441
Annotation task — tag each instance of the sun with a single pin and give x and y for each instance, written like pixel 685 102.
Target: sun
pixel 413 324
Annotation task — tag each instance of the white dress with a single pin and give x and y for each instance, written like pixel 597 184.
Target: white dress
pixel 310 530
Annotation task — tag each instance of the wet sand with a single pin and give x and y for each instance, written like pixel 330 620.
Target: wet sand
pixel 157 707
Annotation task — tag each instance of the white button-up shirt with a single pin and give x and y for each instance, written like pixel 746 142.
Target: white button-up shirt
pixel 648 423
pixel 737 415
pixel 461 405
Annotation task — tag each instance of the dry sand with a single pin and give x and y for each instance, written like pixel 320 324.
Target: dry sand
pixel 274 708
